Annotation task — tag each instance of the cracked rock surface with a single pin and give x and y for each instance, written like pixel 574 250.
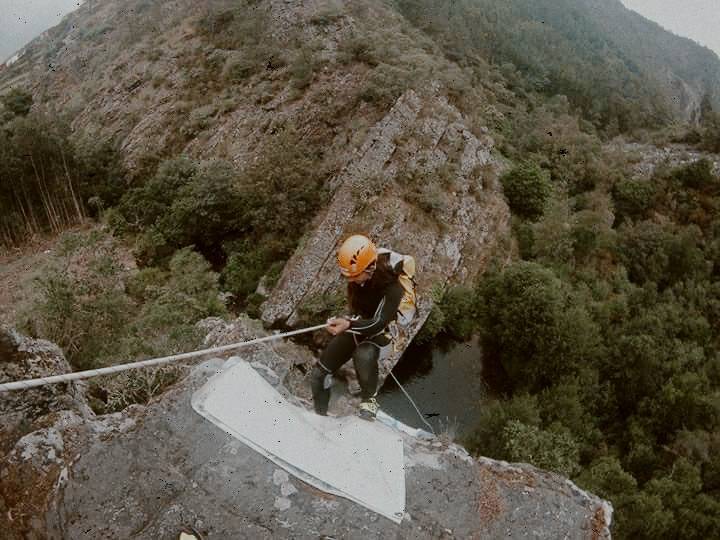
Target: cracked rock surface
pixel 149 470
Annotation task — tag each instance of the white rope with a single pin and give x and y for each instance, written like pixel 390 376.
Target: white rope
pixel 54 379
pixel 413 404
pixel 31 383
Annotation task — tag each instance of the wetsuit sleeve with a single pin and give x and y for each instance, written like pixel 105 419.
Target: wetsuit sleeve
pixel 385 313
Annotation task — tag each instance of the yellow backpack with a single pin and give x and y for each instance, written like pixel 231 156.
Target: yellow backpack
pixel 406 277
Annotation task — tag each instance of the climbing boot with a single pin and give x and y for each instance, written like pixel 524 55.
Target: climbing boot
pixel 368 409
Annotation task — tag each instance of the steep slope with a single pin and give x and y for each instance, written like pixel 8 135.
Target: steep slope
pixel 218 79
pixel 620 69
pixel 452 239
pixel 172 76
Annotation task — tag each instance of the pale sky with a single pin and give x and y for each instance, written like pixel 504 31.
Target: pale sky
pixel 22 20
pixel 697 19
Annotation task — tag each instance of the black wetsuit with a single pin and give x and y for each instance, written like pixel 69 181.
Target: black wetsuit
pixel 376 304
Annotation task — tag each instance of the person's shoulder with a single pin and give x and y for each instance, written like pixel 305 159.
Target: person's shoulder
pixel 393 259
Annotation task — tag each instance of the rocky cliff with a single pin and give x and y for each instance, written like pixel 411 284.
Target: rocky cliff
pixel 148 471
pixel 144 74
pixel 645 158
pixel 426 136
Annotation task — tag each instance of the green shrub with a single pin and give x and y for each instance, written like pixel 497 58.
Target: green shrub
pixel 145 284
pixel 248 223
pixel 554 449
pixel 577 403
pixel 246 29
pixel 327 15
pixel 248 263
pixel 253 303
pixel 151 247
pixel 533 323
pixel 282 190
pixel 661 254
pixel 101 173
pixel 205 209
pixel 385 84
pixel 318 307
pixel 138 386
pixel 357 48
pixel 458 306
pixel 98 314
pixel 697 175
pixel 192 288
pixel 525 236
pixel 84 314
pixel 711 135
pixel 144 205
pixel 606 478
pixel 199 120
pixel 633 198
pixel 527 188
pixel 239 68
pixel 17 102
pixel 435 322
pixel 486 439
pixel 423 190
pixel 185 203
pixel 302 67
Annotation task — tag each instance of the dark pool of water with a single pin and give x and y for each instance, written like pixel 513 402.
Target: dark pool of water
pixel 446 384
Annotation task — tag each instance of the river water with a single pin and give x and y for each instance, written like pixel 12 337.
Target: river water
pixel 446 384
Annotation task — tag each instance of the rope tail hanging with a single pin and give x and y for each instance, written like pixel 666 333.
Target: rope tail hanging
pixel 413 404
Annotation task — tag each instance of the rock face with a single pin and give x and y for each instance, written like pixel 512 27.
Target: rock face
pixel 25 358
pixel 422 135
pixel 419 180
pixel 30 430
pixel 148 471
pixel 647 157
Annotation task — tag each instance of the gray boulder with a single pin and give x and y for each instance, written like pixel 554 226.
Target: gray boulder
pixel 148 471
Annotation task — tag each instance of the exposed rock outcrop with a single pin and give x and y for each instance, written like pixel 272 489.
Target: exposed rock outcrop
pixel 647 157
pixel 25 358
pixel 422 135
pixel 147 471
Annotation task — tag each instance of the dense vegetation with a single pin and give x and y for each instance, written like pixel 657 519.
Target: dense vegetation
pixel 49 182
pixel 101 312
pixel 607 335
pixel 611 63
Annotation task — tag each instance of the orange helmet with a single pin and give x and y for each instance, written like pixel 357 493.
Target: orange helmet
pixel 355 255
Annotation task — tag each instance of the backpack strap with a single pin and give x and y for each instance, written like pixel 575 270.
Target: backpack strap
pixel 404 267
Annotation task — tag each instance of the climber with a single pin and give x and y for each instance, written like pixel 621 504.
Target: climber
pixel 381 295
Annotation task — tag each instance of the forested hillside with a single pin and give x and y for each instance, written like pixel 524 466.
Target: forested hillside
pixel 605 338
pixel 620 70
pixel 206 139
